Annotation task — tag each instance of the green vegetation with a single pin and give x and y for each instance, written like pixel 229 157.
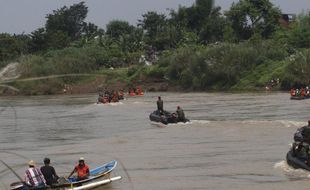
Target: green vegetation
pixel 196 48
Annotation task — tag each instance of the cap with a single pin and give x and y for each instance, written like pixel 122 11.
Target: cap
pixel 81 159
pixel 31 163
pixel 178 107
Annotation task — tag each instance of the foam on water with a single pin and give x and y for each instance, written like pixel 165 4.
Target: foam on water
pixel 289 124
pixel 110 104
pixel 300 173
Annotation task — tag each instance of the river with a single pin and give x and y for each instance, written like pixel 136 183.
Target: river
pixel 234 141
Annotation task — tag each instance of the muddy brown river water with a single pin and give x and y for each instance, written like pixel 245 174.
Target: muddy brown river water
pixel 233 142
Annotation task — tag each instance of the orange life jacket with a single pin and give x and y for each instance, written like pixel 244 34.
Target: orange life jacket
pixel 82 171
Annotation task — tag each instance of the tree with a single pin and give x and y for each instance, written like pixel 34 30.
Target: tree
pixel 299 36
pixel 152 23
pixel 117 28
pixel 250 17
pixel 12 46
pixel 201 18
pixel 38 40
pixel 90 31
pixel 68 20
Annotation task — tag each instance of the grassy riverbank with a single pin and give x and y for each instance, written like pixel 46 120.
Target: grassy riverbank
pixel 244 66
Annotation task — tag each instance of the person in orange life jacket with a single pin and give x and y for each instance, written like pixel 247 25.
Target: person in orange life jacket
pixel 302 92
pixel 34 177
pixel 81 169
pixel 293 92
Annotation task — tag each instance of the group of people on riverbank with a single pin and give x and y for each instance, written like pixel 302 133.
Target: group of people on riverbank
pixel 300 92
pixel 272 83
pixel 46 175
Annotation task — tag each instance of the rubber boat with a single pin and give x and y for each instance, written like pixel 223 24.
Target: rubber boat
pixel 297 161
pixel 72 182
pixel 165 118
pixel 299 97
pixel 298 156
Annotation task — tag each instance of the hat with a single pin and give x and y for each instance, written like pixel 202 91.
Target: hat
pixel 31 163
pixel 81 159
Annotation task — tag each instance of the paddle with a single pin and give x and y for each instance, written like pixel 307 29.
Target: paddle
pixel 21 180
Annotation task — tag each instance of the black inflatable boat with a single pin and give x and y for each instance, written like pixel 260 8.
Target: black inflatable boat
pixel 297 161
pixel 165 117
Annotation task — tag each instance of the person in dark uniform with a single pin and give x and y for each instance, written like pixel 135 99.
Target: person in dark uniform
pixel 160 105
pixel 180 114
pixel 49 172
pixel 306 132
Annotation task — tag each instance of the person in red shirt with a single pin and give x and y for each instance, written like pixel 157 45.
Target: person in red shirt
pixel 81 169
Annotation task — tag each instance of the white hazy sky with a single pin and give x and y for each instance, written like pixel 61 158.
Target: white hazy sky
pixel 18 16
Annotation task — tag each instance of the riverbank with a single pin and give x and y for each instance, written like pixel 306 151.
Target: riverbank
pixel 219 67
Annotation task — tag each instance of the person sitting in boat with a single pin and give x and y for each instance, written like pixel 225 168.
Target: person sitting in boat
pixel 306 132
pixel 302 139
pixel 49 172
pixel 115 97
pixel 34 177
pixel 139 91
pixel 121 95
pixel 160 105
pixel 307 92
pixel 81 169
pixel 180 114
pixel 302 92
pixel 293 92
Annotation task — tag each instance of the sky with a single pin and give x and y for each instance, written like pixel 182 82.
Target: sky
pixel 25 16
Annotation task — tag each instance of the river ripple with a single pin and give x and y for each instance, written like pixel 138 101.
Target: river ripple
pixel 235 141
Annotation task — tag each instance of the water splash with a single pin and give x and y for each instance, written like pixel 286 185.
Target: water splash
pixel 299 173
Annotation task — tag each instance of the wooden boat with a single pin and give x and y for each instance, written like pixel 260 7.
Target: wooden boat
pixel 89 185
pixel 71 182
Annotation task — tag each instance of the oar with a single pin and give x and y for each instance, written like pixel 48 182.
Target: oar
pixel 11 170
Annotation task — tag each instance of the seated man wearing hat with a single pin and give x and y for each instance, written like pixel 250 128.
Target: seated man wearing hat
pixel 34 177
pixel 81 169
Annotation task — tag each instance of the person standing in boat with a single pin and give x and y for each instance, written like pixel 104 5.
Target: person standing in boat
pixel 160 105
pixel 180 114
pixel 49 172
pixel 81 169
pixel 34 177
